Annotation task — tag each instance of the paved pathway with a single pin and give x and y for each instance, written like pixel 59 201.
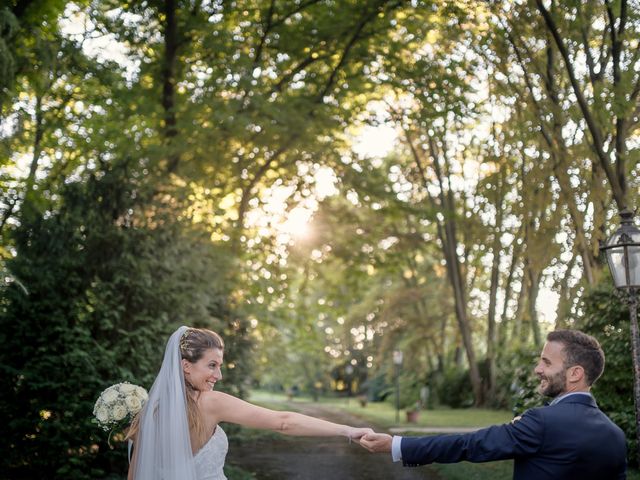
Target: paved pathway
pixel 303 458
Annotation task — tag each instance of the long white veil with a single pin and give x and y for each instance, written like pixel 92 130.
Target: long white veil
pixel 163 445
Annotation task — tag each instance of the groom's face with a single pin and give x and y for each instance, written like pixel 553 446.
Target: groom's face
pixel 551 370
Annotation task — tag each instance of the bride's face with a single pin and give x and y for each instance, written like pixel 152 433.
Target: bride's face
pixel 204 373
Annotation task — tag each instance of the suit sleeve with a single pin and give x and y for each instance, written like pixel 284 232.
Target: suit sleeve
pixel 520 438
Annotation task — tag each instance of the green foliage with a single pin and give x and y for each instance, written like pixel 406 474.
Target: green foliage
pixel 8 27
pixel 454 388
pixel 410 384
pixel 517 387
pixel 606 317
pixel 109 276
pixel 502 470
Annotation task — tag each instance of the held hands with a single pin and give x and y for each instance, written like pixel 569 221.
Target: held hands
pixel 357 433
pixel 376 442
pixel 372 441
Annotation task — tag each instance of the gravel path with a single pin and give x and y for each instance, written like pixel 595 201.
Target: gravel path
pixel 304 458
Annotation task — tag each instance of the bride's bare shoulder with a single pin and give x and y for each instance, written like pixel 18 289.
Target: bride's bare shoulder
pixel 214 400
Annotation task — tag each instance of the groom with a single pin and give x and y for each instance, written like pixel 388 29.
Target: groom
pixel 568 440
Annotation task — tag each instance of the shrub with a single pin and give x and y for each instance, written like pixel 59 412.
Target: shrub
pixel 454 389
pixel 517 385
pixel 108 279
pixel 606 317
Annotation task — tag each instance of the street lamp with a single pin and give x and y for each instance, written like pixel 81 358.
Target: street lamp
pixel 623 255
pixel 349 371
pixel 397 361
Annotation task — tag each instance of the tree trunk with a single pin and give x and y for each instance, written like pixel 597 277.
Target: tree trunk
pixel 534 289
pixel 170 130
pixel 493 295
pixel 447 234
pixel 450 246
pixel 518 333
pixel 503 331
pixel 566 301
pixel 37 146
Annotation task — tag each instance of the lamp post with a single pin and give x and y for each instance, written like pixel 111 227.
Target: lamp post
pixel 349 371
pixel 623 256
pixel 397 361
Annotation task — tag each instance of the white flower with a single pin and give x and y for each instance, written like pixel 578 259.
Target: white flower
pixel 117 403
pixel 127 388
pixel 133 404
pixel 119 412
pixel 110 394
pixel 141 393
pixel 102 415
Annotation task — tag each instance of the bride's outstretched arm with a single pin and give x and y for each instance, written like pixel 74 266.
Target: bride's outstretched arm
pixel 226 408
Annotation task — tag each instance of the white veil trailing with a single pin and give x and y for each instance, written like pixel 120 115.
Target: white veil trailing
pixel 163 446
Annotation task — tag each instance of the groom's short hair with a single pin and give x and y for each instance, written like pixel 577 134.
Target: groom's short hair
pixel 580 349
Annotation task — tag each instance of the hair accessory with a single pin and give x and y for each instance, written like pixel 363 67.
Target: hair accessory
pixel 183 340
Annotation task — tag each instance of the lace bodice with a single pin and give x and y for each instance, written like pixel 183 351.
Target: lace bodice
pixel 210 458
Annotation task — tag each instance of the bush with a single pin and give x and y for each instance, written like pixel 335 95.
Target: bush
pixel 517 385
pixel 108 278
pixel 606 317
pixel 410 385
pixel 454 389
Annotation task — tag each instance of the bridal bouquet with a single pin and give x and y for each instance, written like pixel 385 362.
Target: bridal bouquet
pixel 118 403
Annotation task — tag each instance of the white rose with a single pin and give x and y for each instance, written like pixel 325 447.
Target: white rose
pixel 142 394
pixel 102 415
pixel 127 388
pixel 110 395
pixel 133 404
pixel 119 412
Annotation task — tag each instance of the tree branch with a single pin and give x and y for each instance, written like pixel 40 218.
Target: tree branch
pixel 618 191
pixel 368 17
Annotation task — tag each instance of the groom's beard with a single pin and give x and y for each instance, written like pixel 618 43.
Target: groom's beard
pixel 554 385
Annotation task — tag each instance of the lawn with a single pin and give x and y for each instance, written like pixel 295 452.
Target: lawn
pixel 383 415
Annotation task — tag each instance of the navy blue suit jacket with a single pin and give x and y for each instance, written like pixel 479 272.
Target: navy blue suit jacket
pixel 571 440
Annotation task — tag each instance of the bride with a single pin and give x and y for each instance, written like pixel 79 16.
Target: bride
pixel 177 436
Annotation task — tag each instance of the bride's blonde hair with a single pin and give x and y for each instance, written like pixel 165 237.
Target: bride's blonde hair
pixel 193 345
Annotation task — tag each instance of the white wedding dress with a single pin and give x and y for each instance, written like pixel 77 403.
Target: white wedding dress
pixel 209 460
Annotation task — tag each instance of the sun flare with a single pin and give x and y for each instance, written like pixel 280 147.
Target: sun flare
pixel 297 223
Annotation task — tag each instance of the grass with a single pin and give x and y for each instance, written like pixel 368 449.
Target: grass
pixel 502 470
pixel 383 415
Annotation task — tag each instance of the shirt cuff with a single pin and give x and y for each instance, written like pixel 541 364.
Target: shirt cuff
pixel 396 451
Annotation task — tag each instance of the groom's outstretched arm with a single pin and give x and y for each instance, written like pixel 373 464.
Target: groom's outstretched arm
pixel 521 437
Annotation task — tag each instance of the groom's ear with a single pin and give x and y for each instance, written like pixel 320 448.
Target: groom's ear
pixel 576 374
